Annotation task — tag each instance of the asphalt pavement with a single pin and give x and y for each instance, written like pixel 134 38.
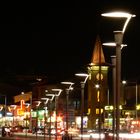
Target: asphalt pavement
pixel 30 136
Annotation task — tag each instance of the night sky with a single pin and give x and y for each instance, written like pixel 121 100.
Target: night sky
pixel 58 42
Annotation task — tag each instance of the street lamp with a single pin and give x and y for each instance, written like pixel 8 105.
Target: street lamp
pixel 56 101
pixel 69 84
pixel 120 14
pixel 51 97
pixel 45 108
pixel 83 82
pixel 37 106
pixel 26 117
pixel 113 44
pixel 118 40
pixel 113 59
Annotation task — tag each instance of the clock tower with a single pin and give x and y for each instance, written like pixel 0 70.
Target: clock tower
pixel 97 86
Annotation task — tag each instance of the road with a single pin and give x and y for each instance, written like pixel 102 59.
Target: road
pixel 34 137
pixel 41 137
pixel 28 138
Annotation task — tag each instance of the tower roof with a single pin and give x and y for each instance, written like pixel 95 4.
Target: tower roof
pixel 98 55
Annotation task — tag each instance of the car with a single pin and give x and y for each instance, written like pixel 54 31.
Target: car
pixel 6 131
pixel 17 128
pixel 74 131
pixel 40 132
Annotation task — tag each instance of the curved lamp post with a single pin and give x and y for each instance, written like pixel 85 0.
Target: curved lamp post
pixel 51 97
pixel 69 84
pixel 119 14
pixel 83 82
pixel 118 40
pixel 45 109
pixel 37 106
pixel 56 102
pixel 113 59
pixel 26 109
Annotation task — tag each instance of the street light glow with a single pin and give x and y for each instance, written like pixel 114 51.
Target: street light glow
pixel 123 82
pixel 83 75
pixel 39 102
pixel 46 99
pixel 97 86
pixel 67 83
pixel 57 90
pixel 113 44
pixel 120 15
pixel 51 95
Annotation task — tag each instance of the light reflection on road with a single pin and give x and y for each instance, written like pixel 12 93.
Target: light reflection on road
pixel 102 136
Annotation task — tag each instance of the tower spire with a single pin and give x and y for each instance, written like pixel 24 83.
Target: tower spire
pixel 96 52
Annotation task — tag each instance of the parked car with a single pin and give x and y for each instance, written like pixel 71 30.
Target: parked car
pixel 18 128
pixel 6 131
